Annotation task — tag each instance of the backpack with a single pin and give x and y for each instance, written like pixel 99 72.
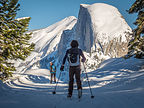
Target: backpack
pixel 73 57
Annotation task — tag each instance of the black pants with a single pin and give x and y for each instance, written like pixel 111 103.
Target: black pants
pixel 74 70
pixel 53 75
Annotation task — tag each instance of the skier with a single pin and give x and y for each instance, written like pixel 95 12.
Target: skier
pixel 73 56
pixel 52 72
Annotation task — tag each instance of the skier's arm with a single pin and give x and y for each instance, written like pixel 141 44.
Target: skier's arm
pixel 83 57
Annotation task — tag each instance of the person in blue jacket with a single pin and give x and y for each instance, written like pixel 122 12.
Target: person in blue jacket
pixel 52 72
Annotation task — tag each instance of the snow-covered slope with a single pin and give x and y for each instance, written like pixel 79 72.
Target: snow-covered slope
pixel 50 36
pixel 46 42
pixel 117 83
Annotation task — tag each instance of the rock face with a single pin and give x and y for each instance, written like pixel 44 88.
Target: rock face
pixel 102 29
pixel 64 44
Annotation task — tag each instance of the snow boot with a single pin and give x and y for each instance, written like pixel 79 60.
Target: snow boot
pixel 69 95
pixel 79 93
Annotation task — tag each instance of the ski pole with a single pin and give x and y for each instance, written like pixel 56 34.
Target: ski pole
pixel 92 96
pixel 54 92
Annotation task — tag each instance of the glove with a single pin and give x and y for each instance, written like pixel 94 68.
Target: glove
pixel 83 60
pixel 62 68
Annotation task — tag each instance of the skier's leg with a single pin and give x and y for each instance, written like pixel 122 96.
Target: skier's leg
pixel 78 80
pixel 55 77
pixel 71 80
pixel 51 77
pixel 79 87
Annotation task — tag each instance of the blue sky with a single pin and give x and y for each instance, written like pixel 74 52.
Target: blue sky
pixel 47 12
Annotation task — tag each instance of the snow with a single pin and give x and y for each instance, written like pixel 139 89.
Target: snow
pixel 46 42
pixel 107 20
pixel 51 36
pixel 22 18
pixel 102 31
pixel 118 83
pixel 52 42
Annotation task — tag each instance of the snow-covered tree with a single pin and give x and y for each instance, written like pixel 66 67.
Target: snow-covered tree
pixel 136 45
pixel 13 39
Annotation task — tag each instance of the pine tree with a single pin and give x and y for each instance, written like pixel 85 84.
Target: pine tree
pixel 136 45
pixel 13 39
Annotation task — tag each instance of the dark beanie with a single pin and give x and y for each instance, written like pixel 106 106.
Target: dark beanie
pixel 74 44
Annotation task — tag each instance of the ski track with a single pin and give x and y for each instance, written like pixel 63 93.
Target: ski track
pixel 117 83
pixel 110 88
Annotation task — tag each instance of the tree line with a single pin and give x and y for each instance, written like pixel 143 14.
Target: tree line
pixel 13 37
